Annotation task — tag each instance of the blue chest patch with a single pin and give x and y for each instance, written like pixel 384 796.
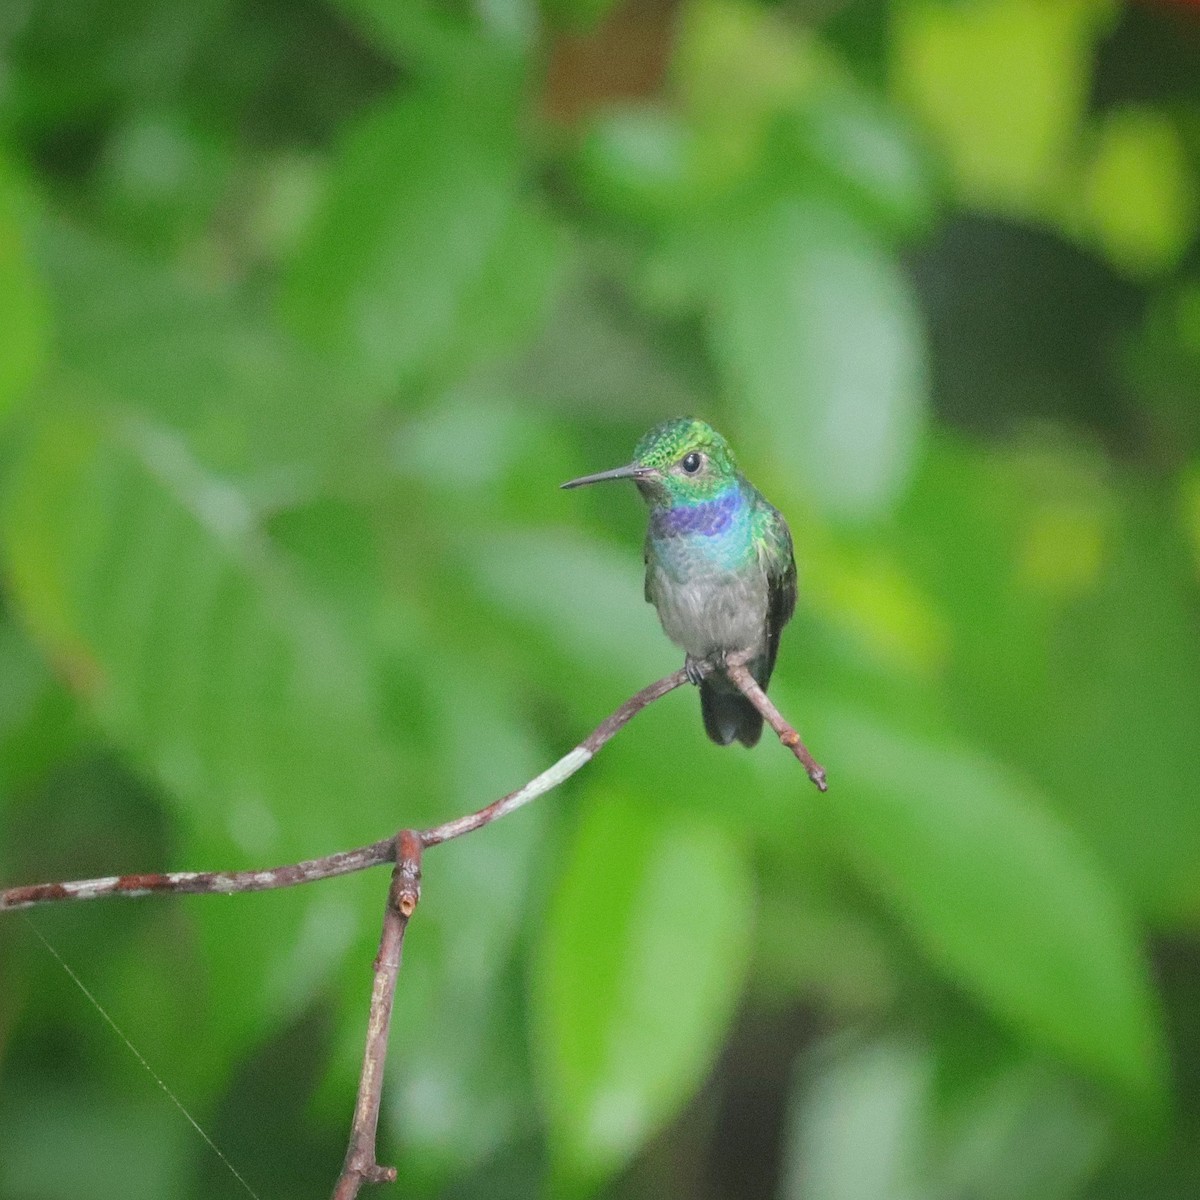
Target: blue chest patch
pixel 692 540
pixel 710 518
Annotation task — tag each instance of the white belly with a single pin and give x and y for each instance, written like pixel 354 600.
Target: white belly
pixel 717 614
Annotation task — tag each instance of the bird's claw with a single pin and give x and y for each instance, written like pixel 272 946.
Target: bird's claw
pixel 697 668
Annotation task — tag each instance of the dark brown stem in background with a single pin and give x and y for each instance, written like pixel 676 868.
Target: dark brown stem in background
pixel 405 892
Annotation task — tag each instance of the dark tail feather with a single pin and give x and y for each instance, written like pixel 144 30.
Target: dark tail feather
pixel 728 714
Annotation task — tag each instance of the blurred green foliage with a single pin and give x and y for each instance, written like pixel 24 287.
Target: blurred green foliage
pixel 305 309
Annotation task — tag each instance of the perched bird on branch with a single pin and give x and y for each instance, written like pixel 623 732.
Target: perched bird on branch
pixel 719 564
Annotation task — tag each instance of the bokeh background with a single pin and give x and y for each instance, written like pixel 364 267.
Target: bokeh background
pixel 305 310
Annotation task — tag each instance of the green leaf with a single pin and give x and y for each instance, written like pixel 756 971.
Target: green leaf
pixel 1139 193
pixel 581 16
pixel 857 1131
pixel 149 582
pixel 39 721
pixel 22 305
pixel 637 163
pixel 737 66
pixel 640 962
pixel 869 157
pixel 1118 711
pixel 439 41
pixel 424 251
pixel 1002 85
pixel 874 1119
pixel 1084 591
pixel 585 595
pixel 816 331
pixel 1001 895
pixel 162 178
pixel 249 401
pixel 1024 1132
pixel 591 358
pixel 207 661
pixel 129 1144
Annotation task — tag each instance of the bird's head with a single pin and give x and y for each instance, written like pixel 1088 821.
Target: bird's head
pixel 681 461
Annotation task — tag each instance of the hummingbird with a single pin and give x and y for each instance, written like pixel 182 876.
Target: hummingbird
pixel 719 565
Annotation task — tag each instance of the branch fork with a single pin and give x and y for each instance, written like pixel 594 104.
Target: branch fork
pixel 404 851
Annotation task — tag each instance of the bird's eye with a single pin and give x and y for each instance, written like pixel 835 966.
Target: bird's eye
pixel 691 462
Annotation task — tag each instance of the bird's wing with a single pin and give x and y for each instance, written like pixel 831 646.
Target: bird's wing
pixel 781 587
pixel 646 563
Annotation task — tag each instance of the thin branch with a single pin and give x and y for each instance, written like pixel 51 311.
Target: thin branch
pixel 739 673
pixel 202 882
pixel 405 851
pixel 348 861
pixel 563 769
pixel 361 1166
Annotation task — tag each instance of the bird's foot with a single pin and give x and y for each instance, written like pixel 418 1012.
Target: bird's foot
pixel 697 668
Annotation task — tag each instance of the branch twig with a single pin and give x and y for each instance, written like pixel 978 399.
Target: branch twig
pixel 361 1166
pixel 404 850
pixel 739 673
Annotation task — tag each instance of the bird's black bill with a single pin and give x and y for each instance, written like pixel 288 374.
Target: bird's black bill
pixel 632 471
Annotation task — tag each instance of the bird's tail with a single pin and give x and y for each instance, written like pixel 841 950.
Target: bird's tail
pixel 727 713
